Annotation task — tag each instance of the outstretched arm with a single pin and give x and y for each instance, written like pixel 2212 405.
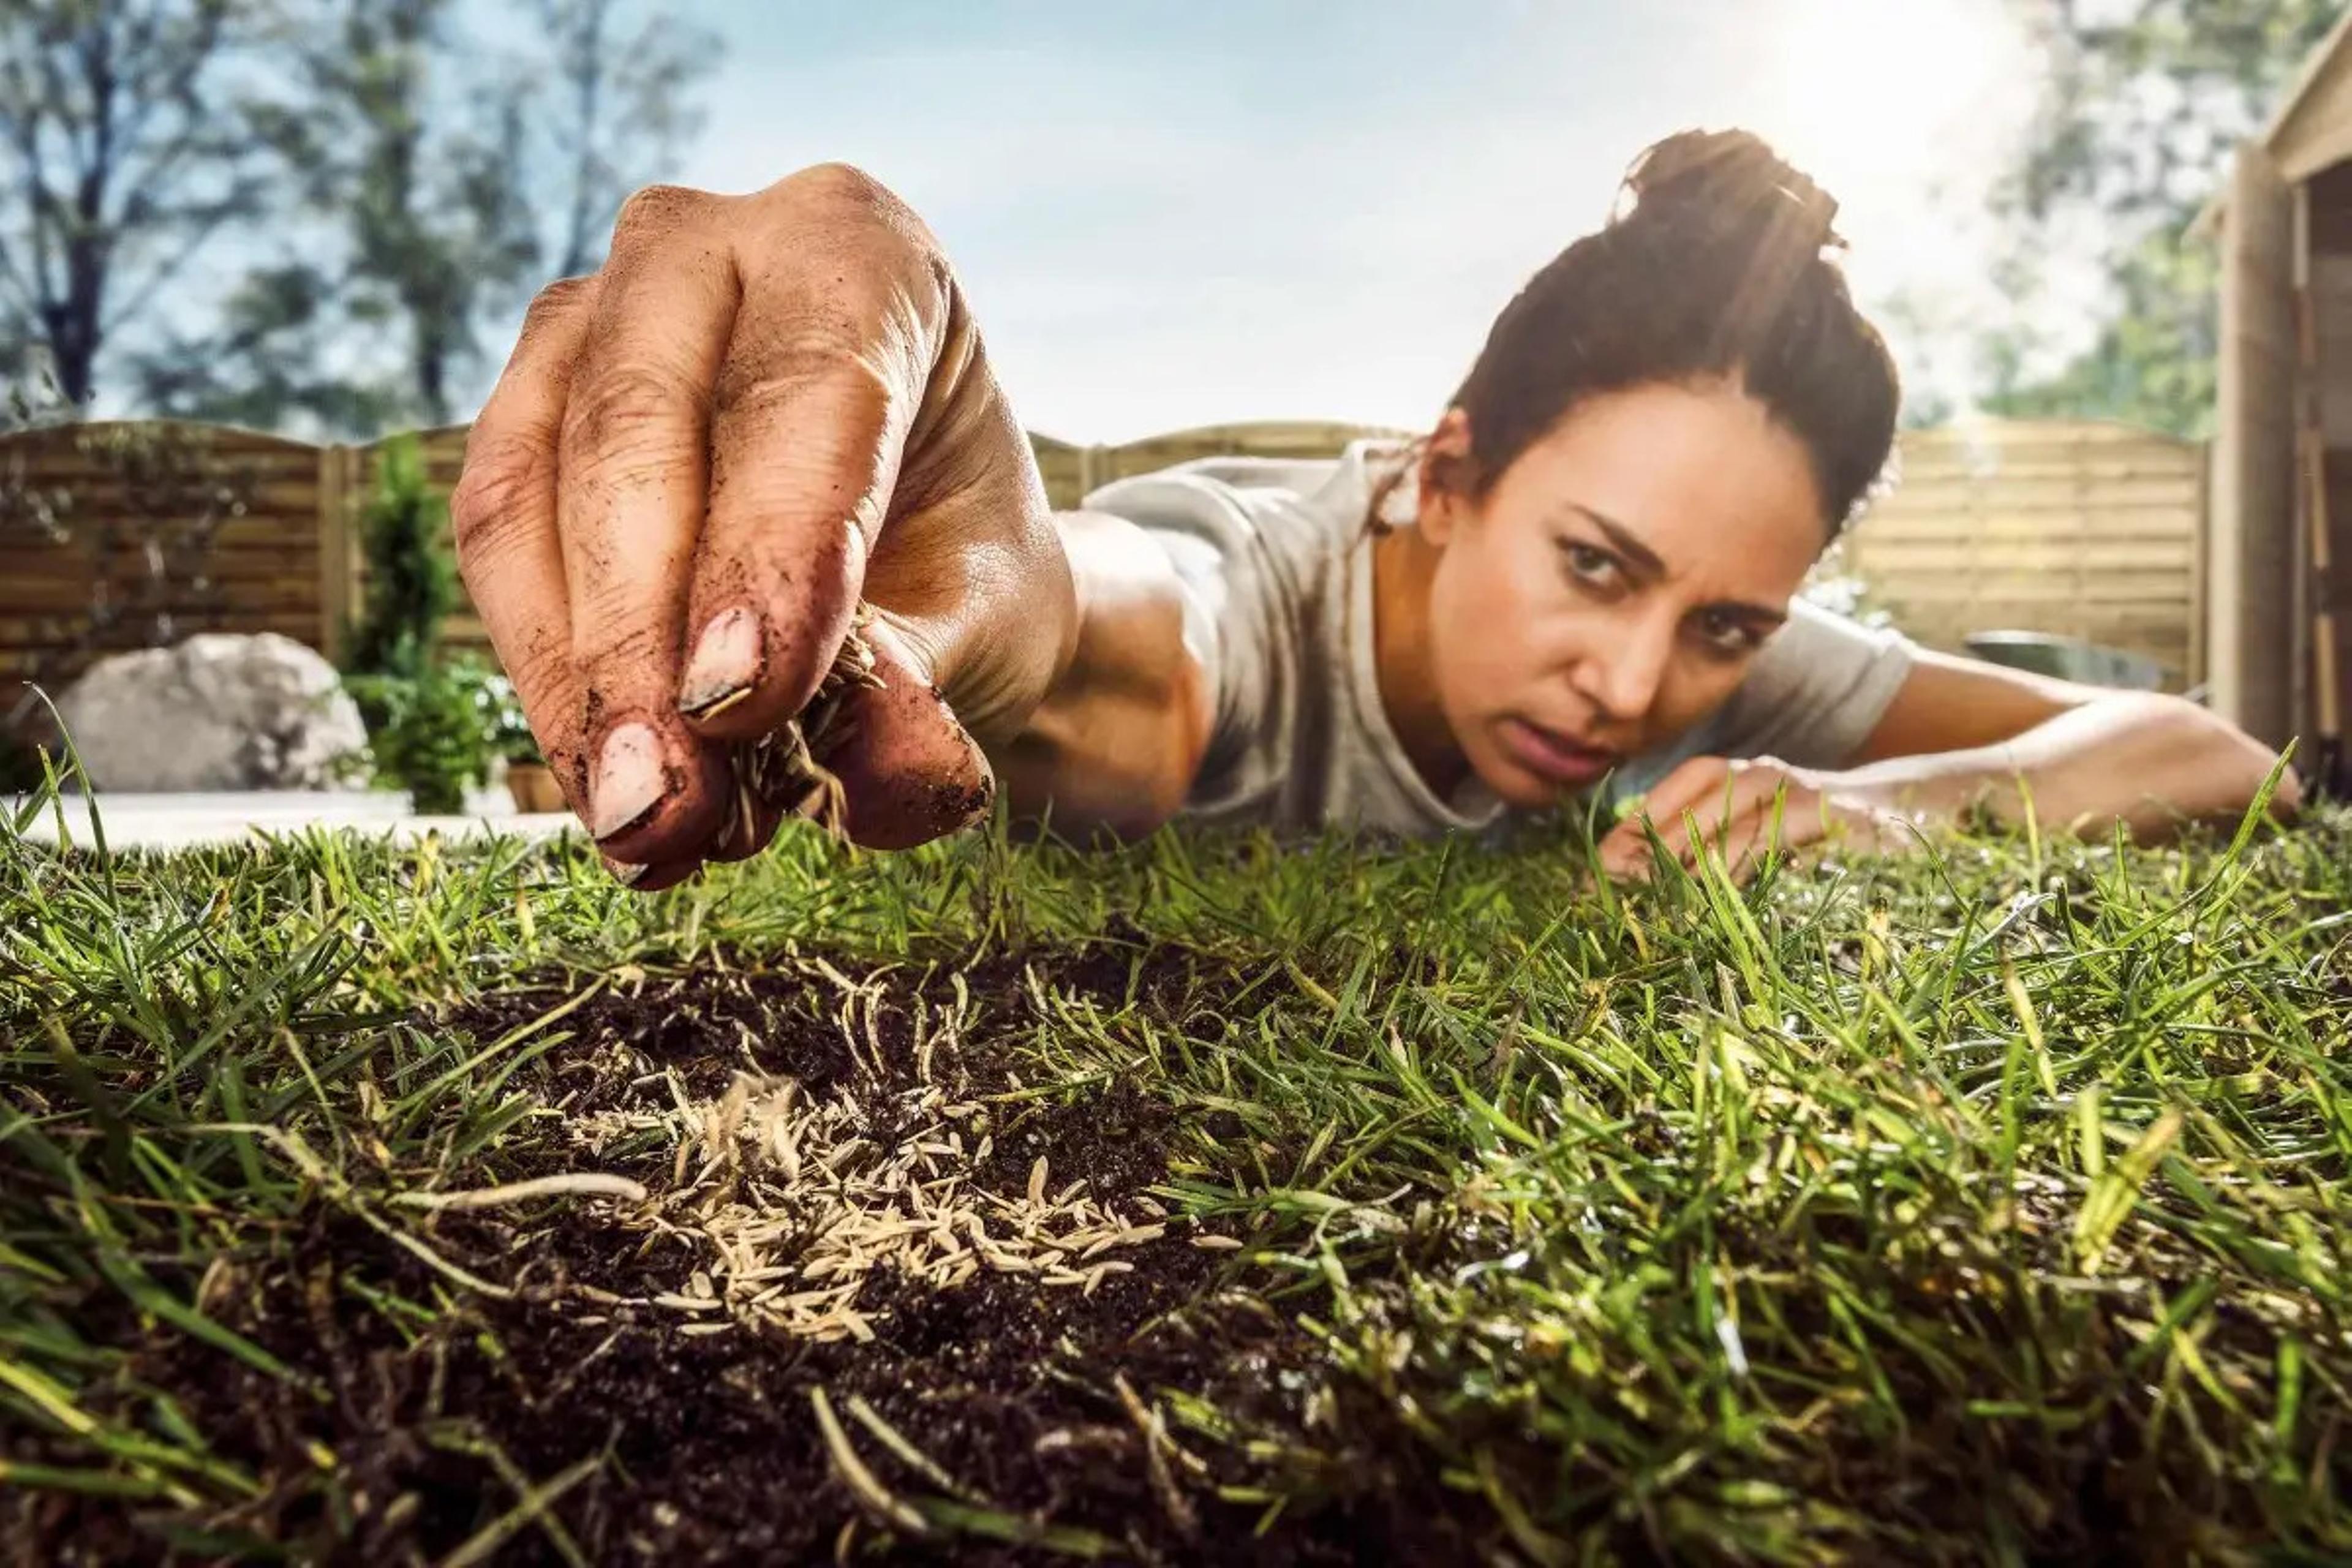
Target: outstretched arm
pixel 1966 736
pixel 762 416
pixel 1962 734
pixel 1120 733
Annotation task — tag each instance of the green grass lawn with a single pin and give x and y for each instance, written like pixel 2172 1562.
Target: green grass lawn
pixel 1208 1200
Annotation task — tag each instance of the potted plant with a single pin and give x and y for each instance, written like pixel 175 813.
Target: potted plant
pixel 529 780
pixel 427 737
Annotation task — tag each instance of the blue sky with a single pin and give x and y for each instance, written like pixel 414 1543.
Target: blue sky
pixel 1170 215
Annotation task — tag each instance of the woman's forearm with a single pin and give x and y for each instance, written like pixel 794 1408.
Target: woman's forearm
pixel 2145 760
pixel 1117 739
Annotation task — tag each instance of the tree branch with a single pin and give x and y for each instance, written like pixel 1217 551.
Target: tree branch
pixel 204 226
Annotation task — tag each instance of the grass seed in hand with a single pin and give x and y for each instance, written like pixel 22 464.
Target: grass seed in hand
pixel 784 769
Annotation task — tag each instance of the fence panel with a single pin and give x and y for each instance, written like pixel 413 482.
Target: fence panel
pixel 117 575
pixel 2086 529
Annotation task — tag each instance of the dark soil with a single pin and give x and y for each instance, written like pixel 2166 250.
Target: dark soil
pixel 420 1430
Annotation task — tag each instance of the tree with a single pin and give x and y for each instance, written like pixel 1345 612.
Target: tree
pixel 621 114
pixel 451 181
pixel 419 181
pixel 125 147
pixel 2145 105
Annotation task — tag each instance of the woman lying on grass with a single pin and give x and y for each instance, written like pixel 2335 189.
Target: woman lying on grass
pixel 770 413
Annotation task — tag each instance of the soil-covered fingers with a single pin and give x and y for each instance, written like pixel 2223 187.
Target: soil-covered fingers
pixel 746 835
pixel 503 525
pixel 845 315
pixel 861 450
pixel 631 491
pixel 650 879
pixel 909 772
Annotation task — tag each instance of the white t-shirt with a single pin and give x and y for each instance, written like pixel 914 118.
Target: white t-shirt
pixel 1276 563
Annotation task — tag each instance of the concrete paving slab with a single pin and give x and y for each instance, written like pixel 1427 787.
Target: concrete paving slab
pixel 183 821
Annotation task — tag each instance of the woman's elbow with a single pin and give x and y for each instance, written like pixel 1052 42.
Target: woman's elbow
pixel 2239 767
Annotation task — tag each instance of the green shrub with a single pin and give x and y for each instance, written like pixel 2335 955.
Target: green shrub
pixel 434 724
pixel 497 708
pixel 427 736
pixel 412 575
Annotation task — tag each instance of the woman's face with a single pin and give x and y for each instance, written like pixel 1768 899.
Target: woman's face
pixel 1616 582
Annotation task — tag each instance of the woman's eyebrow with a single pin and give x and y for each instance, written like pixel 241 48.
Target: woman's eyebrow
pixel 1639 559
pixel 1763 617
pixel 1644 562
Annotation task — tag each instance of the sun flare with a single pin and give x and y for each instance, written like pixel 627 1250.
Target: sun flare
pixel 1894 107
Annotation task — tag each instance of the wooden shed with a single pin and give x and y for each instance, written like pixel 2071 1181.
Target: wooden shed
pixel 2280 518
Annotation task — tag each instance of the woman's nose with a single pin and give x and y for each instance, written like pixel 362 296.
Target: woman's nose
pixel 1621 671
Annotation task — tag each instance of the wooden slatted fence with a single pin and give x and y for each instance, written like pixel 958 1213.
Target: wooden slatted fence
pixel 2084 529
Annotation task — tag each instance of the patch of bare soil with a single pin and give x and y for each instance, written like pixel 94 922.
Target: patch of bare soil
pixel 855 1275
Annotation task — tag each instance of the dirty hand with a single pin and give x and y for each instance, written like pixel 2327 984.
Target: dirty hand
pixel 1741 813
pixel 762 410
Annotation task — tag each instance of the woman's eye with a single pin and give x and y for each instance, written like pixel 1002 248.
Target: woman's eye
pixel 1726 633
pixel 1597 568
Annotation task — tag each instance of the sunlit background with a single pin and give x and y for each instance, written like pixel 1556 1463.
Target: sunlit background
pixel 1173 215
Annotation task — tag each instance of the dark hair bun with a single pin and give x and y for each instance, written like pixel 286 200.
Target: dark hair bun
pixel 1729 185
pixel 1715 269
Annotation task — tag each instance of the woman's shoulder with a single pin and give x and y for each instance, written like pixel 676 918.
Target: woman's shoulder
pixel 1295 507
pixel 1817 689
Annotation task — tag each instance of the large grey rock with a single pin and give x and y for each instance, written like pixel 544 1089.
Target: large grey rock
pixel 218 711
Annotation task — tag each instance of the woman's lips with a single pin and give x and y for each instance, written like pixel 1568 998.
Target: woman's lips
pixel 1553 755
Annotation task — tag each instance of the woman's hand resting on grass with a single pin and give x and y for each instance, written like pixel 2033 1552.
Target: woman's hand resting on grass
pixel 1743 809
pixel 760 411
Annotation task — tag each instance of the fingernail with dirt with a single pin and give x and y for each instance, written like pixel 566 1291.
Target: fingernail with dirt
pixel 629 781
pixel 726 662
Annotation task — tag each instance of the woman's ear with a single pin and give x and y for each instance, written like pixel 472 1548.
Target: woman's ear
pixel 1445 466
